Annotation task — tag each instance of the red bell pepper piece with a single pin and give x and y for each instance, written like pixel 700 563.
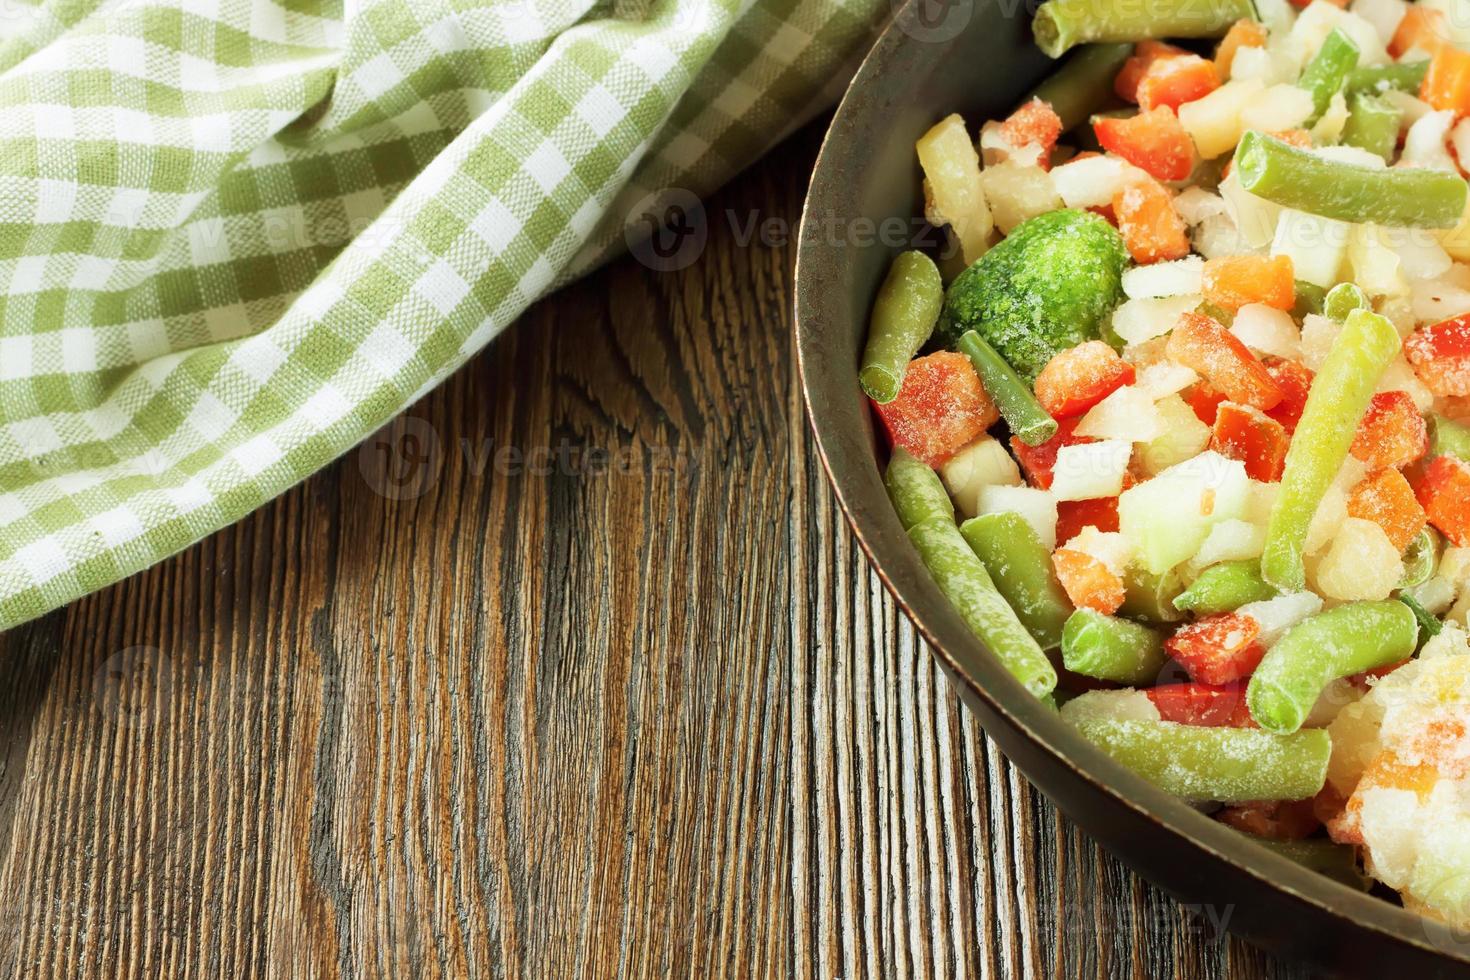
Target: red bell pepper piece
pixel 940 409
pixel 1206 705
pixel 1080 377
pixel 1218 649
pixel 1249 435
pixel 1215 354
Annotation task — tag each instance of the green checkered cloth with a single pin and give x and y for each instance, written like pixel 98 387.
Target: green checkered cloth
pixel 238 236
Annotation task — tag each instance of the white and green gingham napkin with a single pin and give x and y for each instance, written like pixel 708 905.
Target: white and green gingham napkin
pixel 238 236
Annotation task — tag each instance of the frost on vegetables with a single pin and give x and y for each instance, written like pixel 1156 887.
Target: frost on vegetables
pixel 1202 400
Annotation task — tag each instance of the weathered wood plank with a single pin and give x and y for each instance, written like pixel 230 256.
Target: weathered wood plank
pixel 573 671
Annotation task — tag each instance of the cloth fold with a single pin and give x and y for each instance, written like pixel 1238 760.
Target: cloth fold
pixel 238 236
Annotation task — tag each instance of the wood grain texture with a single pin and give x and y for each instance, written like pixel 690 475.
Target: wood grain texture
pixel 572 671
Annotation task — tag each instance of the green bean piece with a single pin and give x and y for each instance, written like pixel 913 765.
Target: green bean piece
pixel 1337 861
pixel 1029 422
pixel 1225 588
pixel 1112 649
pixel 1415 197
pixel 1340 642
pixel 1226 765
pixel 904 315
pixel 1428 622
pixel 1063 24
pixel 1084 84
pixel 1309 299
pixel 1448 438
pixel 917 493
pixel 1340 394
pixel 1342 299
pixel 1328 70
pixel 1372 125
pixel 1421 558
pixel 1020 566
pixel 1150 597
pixel 962 578
pixel 1405 77
pixel 1219 314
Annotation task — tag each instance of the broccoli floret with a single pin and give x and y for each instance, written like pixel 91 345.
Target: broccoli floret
pixel 1049 286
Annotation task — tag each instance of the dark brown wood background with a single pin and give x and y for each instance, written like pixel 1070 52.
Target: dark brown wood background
pixel 573 671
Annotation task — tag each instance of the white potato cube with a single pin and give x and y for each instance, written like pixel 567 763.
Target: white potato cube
pixel 1321 17
pixel 1127 414
pixel 1384 15
pixel 952 178
pixel 1329 127
pixel 1233 540
pixel 1318 333
pixel 982 463
pixel 1262 501
pixel 1091 182
pixel 1108 547
pixel 1016 192
pixel 1400 376
pixel 1036 507
pixel 1182 277
pixel 1372 264
pixel 1282 106
pixel 1184 437
pixel 1164 378
pixel 1091 470
pixel 1314 244
pixel 1268 330
pixel 1268 65
pixel 1354 155
pixel 1425 143
pixel 1276 616
pixel 1140 320
pixel 1361 564
pixel 1255 217
pixel 1195 204
pixel 1331 512
pixel 1168 517
pixel 1214 122
pixel 1438 299
pixel 1421 256
pixel 996 149
pixel 1217 236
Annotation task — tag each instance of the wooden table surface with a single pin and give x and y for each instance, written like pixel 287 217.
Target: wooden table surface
pixel 573 671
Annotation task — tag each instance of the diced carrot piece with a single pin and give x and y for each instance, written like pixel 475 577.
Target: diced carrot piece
pixel 1035 123
pixel 1295 381
pixel 1151 228
pixel 1386 499
pixel 1153 140
pixel 1205 705
pixel 1172 82
pixel 1440 354
pixel 1037 462
pixel 1145 53
pixel 940 409
pixel 1254 438
pixel 1205 401
pixel 1242 34
pixel 1232 281
pixel 1392 432
pixel 1276 819
pixel 1218 649
pixel 1087 581
pixel 1447 83
pixel 1080 377
pixel 1444 493
pixel 1422 28
pixel 1074 515
pixel 1199 342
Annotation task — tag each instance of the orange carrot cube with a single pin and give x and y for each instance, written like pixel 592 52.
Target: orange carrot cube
pixel 1080 377
pixel 1087 581
pixel 1242 34
pixel 940 409
pixel 1035 123
pixel 1422 28
pixel 1145 53
pixel 1444 492
pixel 1232 281
pixel 1249 435
pixel 1153 141
pixel 1392 432
pixel 1440 354
pixel 1295 381
pixel 1151 228
pixel 1217 649
pixel 1386 499
pixel 1215 354
pixel 1172 82
pixel 1447 83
